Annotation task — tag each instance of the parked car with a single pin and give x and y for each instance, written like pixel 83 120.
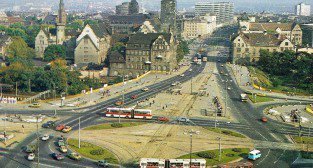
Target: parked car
pixel 63 149
pixel 57 156
pixel 264 119
pixel 103 163
pixel 67 129
pixel 183 119
pixel 163 119
pixel 134 97
pixel 35 105
pixel 60 127
pixel 145 89
pixel 74 156
pixel 31 157
pixel 45 137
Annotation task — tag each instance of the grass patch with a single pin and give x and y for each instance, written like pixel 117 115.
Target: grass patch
pixel 304 140
pixel 225 132
pixel 92 151
pixel 260 99
pixel 113 125
pixel 212 156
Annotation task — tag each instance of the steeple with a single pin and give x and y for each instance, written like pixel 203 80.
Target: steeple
pixel 61 13
pixel 61 22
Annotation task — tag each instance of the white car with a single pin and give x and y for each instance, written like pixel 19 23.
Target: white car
pixel 182 75
pixel 228 88
pixel 183 119
pixel 45 137
pixel 190 70
pixel 31 157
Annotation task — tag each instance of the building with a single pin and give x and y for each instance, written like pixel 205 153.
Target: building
pixel 303 9
pixel 126 24
pixel 133 7
pixel 224 11
pixel 146 52
pixel 290 30
pixel 168 15
pixel 5 41
pixel 247 46
pixel 92 45
pixel 199 26
pixel 122 9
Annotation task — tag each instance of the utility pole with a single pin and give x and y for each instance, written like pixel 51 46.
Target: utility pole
pixel 1 90
pixel 5 126
pixel 37 117
pixel 190 150
pixel 79 132
pixel 191 85
pixel 16 89
pixel 226 97
pixel 219 149
pixel 29 88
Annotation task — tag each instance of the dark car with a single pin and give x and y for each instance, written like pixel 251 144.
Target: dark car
pixel 57 156
pixel 48 124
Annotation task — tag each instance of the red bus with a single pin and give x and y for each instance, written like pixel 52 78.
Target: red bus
pixel 128 113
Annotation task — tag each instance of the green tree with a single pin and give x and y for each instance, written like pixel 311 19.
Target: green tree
pixel 53 52
pixel 19 48
pixel 182 50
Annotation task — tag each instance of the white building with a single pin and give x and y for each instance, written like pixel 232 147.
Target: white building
pixel 224 11
pixel 303 9
pixel 199 26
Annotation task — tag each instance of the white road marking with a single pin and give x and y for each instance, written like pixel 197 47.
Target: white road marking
pixel 262 135
pixel 279 157
pixel 264 157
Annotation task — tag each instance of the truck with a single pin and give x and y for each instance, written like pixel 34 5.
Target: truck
pixel 243 97
pixel 204 59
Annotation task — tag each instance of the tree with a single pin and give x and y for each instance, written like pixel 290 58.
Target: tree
pixel 119 46
pixel 53 52
pixel 19 48
pixel 182 50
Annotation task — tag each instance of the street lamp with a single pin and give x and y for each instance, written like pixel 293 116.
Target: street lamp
pixel 191 135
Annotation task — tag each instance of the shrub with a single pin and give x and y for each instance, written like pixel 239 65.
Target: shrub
pixel 208 155
pixel 236 150
pixel 97 152
pixel 230 155
pixel 117 125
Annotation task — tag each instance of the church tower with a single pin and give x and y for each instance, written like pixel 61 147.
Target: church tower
pixel 61 22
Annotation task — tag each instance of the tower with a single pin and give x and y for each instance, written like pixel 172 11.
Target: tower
pixel 61 22
pixel 168 15
pixel 133 7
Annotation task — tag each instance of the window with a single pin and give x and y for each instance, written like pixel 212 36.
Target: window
pixel 238 49
pixel 85 40
pixel 286 43
pixel 247 49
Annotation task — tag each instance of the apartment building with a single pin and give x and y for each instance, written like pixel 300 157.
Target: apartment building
pixel 224 11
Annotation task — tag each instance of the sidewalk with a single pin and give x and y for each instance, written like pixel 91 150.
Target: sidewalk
pixel 83 100
pixel 241 75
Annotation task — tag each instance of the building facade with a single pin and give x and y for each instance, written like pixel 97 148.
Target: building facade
pixel 199 26
pixel 147 52
pixel 224 11
pixel 248 46
pixel 126 24
pixel 122 9
pixel 290 30
pixel 303 9
pixel 168 16
pixel 92 45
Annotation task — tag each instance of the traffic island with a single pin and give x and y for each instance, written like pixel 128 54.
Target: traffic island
pixel 212 156
pixel 260 99
pixel 226 132
pixel 114 125
pixel 92 151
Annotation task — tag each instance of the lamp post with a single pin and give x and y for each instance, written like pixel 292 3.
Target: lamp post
pixel 190 150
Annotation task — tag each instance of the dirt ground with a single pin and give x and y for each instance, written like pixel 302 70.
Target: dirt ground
pixel 17 130
pixel 158 141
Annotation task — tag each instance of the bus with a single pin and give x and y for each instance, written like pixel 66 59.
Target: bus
pixel 128 113
pixel 254 154
pixel 152 163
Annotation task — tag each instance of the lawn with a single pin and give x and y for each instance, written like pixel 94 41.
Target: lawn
pixel 304 140
pixel 114 125
pixel 260 99
pixel 212 156
pixel 91 151
pixel 225 132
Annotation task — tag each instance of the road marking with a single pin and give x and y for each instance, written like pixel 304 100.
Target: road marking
pixel 264 157
pixel 279 157
pixel 262 135
pixel 275 137
pixel 48 165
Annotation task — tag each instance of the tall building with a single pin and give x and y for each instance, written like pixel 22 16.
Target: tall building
pixel 133 7
pixel 61 22
pixel 199 26
pixel 168 15
pixel 224 11
pixel 303 9
pixel 122 9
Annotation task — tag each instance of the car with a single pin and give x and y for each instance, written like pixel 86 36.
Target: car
pixel 61 143
pixel 35 105
pixel 221 72
pixel 119 103
pixel 31 157
pixel 163 119
pixel 222 65
pixel 183 119
pixel 74 156
pixel 134 97
pixel 103 163
pixel 67 129
pixel 228 88
pixel 45 137
pixel 145 89
pixel 174 84
pixel 47 125
pixel 57 156
pixel 219 60
pixel 190 70
pixel 63 149
pixel 60 127
pixel 264 119
pixel 30 148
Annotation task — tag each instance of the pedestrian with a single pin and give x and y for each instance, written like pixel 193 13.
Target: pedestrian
pixel 163 107
pixel 153 101
pixel 150 104
pixel 166 105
